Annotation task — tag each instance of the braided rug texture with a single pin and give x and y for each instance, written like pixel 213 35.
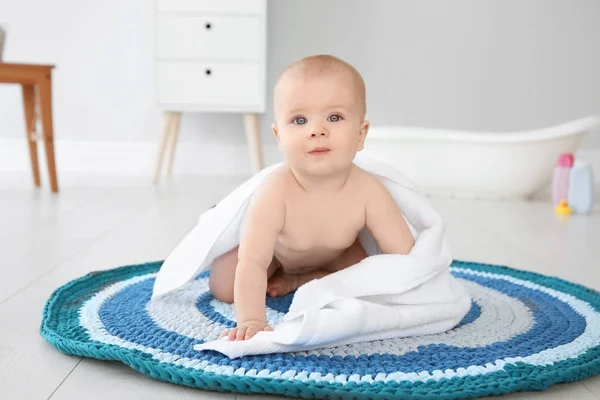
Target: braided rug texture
pixel 525 331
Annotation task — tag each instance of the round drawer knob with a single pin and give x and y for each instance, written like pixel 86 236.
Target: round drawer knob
pixel 208 25
pixel 208 71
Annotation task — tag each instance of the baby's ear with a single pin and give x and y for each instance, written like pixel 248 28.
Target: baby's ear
pixel 276 133
pixel 364 130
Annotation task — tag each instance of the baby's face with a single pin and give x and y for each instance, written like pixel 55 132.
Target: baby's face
pixel 319 122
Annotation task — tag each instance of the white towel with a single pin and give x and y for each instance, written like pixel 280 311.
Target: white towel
pixel 383 296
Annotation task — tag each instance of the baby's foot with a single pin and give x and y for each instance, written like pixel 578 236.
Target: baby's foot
pixel 281 284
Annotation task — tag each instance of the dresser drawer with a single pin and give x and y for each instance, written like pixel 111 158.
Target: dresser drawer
pixel 210 86
pixel 209 37
pixel 213 6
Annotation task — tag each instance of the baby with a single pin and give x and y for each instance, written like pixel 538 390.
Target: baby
pixel 303 221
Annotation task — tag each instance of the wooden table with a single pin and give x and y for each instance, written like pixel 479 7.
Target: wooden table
pixel 35 79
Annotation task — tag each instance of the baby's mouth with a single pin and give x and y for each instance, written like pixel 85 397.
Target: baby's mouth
pixel 319 151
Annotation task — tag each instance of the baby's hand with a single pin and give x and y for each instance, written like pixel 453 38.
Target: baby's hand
pixel 246 330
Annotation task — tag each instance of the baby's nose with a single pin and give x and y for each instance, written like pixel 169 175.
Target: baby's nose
pixel 319 133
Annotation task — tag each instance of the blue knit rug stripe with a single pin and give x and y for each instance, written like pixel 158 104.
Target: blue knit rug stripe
pixel 124 316
pixel 549 330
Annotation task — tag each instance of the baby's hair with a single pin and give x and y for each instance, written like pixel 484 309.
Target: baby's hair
pixel 320 64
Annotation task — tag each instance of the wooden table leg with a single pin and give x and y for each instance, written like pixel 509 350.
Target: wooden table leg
pixel 45 88
pixel 252 125
pixel 30 120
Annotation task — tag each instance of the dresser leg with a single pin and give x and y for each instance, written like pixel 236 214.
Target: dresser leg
pixel 174 133
pixel 252 126
pixel 166 131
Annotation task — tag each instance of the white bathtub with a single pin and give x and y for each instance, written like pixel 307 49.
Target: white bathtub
pixel 511 165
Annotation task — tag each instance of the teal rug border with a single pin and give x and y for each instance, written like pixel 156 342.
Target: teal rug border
pixel 507 381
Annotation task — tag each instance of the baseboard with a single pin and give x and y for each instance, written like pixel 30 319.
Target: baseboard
pixel 136 158
pixel 139 158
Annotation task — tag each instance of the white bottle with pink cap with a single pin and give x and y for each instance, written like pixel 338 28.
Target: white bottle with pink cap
pixel 560 178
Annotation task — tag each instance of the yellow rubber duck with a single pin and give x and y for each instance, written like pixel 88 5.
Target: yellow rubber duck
pixel 563 208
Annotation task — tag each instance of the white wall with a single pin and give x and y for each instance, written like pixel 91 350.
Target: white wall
pixel 465 64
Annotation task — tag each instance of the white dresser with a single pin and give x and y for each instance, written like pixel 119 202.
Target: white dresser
pixel 210 55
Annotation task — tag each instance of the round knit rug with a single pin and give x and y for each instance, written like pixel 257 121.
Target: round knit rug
pixel 524 331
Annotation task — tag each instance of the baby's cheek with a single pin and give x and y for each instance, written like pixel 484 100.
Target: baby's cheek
pixel 292 150
pixel 285 144
pixel 349 144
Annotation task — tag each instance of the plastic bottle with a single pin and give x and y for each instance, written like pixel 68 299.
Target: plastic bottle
pixel 581 188
pixel 560 178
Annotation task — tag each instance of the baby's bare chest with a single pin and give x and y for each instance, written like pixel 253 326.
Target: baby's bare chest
pixel 325 225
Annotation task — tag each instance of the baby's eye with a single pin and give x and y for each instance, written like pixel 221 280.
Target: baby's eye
pixel 335 118
pixel 299 121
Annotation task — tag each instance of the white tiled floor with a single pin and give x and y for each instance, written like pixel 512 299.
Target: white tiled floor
pixel 100 223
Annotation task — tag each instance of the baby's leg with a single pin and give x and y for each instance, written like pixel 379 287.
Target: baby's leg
pixel 222 275
pixel 352 255
pixel 282 283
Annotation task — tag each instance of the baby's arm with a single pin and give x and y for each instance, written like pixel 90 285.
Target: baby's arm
pixel 264 222
pixel 385 221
